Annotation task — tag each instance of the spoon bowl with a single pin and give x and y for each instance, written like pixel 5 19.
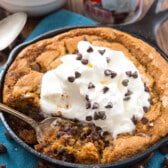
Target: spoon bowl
pixel 40 127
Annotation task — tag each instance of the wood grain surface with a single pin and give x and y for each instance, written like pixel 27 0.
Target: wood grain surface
pixel 77 6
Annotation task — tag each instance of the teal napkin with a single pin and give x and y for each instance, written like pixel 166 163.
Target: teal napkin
pixel 16 156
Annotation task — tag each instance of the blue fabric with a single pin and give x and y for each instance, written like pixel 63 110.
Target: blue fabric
pixel 17 157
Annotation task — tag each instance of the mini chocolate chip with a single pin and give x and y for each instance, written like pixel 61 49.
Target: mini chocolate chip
pixel 95 136
pixel 113 74
pixel 145 109
pixel 83 136
pixel 109 105
pixel 88 118
pixel 71 79
pixel 95 105
pixel 87 97
pixel 79 56
pixel 146 89
pixel 84 61
pixel 107 72
pixel 2 148
pixel 135 74
pixel 88 105
pixel 60 151
pixel 128 93
pixel 108 59
pixel 69 157
pixel 102 115
pixel 7 134
pixel 134 120
pixel 90 49
pixel 99 115
pixel 144 120
pixel 98 128
pixel 102 51
pixel 95 116
pixel 105 89
pixel 128 73
pixel 150 101
pixel 91 85
pixel 60 133
pixel 125 82
pixel 126 98
pixel 2 166
pixel 36 67
pixel 77 74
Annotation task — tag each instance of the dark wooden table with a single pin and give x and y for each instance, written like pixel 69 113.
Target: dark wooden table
pixel 77 6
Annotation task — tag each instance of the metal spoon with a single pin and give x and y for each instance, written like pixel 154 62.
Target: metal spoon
pixel 10 28
pixel 40 127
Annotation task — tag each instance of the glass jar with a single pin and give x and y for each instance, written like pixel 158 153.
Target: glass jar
pixel 113 11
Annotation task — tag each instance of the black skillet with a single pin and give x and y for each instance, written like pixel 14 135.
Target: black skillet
pixel 144 29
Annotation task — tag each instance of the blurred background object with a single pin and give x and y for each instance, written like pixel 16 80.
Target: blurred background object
pixel 113 11
pixel 32 7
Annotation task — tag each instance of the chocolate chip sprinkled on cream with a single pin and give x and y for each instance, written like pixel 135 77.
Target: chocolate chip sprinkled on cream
pixel 88 118
pixel 134 119
pixel 113 74
pixel 91 85
pixel 144 120
pixel 95 116
pixel 99 115
pixel 107 72
pixel 77 74
pixel 105 89
pixel 87 97
pixel 102 51
pixel 100 92
pixel 79 56
pixel 90 49
pixel 132 74
pixel 88 105
pixel 108 60
pixel 71 79
pixel 102 115
pixel 128 73
pixel 125 82
pixel 145 109
pixel 146 88
pixel 84 61
pixel 126 98
pixel 95 105
pixel 135 74
pixel 109 105
pixel 128 93
pixel 150 101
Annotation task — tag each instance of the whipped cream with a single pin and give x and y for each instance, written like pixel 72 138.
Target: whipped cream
pixel 97 85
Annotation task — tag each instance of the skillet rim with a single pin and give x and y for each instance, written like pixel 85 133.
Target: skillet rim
pixel 126 162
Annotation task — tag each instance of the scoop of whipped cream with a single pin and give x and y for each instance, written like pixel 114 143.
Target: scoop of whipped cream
pixel 97 85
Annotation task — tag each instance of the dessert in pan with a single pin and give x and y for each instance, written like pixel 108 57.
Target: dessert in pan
pixel 108 88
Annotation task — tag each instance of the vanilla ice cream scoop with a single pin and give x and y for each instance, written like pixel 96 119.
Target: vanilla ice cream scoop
pixel 97 85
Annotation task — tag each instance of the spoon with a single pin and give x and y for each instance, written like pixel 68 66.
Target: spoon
pixel 40 127
pixel 10 28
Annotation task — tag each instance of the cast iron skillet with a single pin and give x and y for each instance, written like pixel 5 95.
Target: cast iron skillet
pixel 144 29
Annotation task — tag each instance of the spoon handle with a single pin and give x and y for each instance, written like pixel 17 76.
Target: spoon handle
pixel 18 114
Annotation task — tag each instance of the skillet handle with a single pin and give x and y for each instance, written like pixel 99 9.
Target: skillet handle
pixel 147 27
